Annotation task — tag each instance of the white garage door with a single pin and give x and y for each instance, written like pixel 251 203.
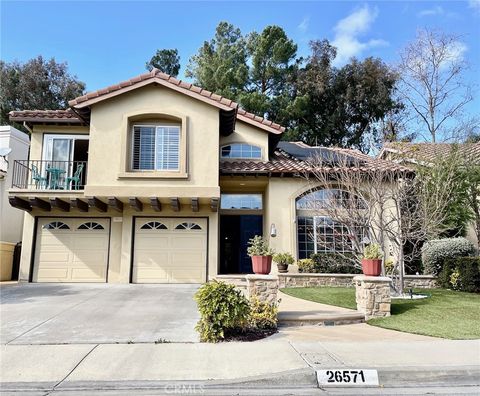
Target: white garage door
pixel 71 250
pixel 168 250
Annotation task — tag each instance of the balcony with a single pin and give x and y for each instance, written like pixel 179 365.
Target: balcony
pixel 46 175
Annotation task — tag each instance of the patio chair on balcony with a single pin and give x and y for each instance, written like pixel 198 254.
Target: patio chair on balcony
pixel 39 180
pixel 76 179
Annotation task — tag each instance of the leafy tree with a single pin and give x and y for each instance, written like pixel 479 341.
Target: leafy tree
pixel 220 65
pixel 36 84
pixel 342 106
pixel 272 55
pixel 165 60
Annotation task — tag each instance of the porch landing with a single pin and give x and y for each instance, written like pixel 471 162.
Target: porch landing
pixel 298 312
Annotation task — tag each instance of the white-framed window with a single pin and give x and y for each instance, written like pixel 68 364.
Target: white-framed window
pixel 241 150
pixel 156 147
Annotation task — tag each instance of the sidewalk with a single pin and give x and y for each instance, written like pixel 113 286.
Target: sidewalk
pixel 277 361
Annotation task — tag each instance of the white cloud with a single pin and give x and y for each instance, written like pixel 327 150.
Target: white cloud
pixel 435 11
pixel 475 4
pixel 303 26
pixel 457 51
pixel 348 30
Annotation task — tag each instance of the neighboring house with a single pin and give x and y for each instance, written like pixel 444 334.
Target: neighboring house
pixel 156 180
pixel 15 143
pixel 425 153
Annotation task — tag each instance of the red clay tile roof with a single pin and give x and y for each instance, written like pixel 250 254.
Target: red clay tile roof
pixel 282 162
pixel 429 151
pixel 156 76
pixel 56 116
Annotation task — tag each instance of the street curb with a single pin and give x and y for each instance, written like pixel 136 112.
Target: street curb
pixel 389 377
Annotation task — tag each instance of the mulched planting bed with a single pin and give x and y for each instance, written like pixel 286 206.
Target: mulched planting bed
pixel 248 334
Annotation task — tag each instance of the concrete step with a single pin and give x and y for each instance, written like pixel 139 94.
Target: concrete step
pixel 292 318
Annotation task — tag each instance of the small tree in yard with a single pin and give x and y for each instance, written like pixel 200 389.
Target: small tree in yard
pixel 390 206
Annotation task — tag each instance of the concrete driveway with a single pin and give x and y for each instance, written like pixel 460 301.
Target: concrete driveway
pixel 91 314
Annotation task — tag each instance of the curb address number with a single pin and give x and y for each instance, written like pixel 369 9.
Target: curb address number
pixel 342 377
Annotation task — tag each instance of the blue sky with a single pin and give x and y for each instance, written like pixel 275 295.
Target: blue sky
pixel 105 42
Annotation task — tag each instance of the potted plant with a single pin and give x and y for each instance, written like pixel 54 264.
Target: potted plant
pixel 261 255
pixel 372 260
pixel 283 260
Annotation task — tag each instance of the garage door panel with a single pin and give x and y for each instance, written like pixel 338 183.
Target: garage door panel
pixel 187 275
pixel 71 255
pixel 93 242
pixel 53 274
pixel 170 255
pixel 152 242
pixel 151 275
pixel 152 258
pixel 47 258
pixel 84 274
pixel 188 242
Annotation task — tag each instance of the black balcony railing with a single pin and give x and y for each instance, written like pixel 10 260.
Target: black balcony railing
pixel 49 175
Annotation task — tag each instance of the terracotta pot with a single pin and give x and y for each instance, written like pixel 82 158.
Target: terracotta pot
pixel 372 267
pixel 282 268
pixel 262 265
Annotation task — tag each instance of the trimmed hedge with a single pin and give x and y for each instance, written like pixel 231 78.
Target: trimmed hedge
pixel 333 263
pixel 462 274
pixel 437 251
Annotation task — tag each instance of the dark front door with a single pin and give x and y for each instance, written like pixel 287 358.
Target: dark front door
pixel 235 231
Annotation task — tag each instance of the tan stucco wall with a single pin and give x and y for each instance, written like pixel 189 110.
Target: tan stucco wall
pixel 109 137
pixel 245 133
pixel 280 198
pixel 120 238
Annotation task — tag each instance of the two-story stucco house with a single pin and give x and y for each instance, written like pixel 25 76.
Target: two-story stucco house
pixel 156 180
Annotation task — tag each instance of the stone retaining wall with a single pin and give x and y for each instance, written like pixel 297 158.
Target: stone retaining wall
pixel 263 287
pixel 346 280
pixel 307 280
pixel 421 281
pixel 373 295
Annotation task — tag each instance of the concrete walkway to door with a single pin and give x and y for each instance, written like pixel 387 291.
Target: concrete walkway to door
pixel 97 313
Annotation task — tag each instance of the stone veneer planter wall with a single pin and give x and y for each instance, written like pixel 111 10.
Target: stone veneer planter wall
pixel 346 280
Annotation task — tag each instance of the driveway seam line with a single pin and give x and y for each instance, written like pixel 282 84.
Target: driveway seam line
pixel 54 316
pixel 300 354
pixel 75 367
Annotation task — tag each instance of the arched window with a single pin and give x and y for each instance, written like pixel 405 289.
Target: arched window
pixel 241 150
pixel 324 198
pixel 153 225
pixel 56 225
pixel 90 225
pixel 188 226
pixel 319 233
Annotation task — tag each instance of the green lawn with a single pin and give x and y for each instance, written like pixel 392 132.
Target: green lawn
pixel 446 313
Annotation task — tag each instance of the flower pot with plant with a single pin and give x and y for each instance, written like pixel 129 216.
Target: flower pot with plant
pixel 261 255
pixel 372 260
pixel 283 260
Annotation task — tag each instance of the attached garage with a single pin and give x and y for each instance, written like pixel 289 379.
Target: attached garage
pixel 170 250
pixel 71 250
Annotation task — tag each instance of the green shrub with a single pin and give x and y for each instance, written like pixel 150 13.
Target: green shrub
pixel 306 266
pixel 283 258
pixel 334 263
pixel 222 307
pixel 258 246
pixel 437 251
pixel 263 315
pixel 461 273
pixel 373 252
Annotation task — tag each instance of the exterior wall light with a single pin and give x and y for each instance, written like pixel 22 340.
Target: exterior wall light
pixel 273 230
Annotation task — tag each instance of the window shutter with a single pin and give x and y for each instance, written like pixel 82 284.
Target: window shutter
pixel 168 147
